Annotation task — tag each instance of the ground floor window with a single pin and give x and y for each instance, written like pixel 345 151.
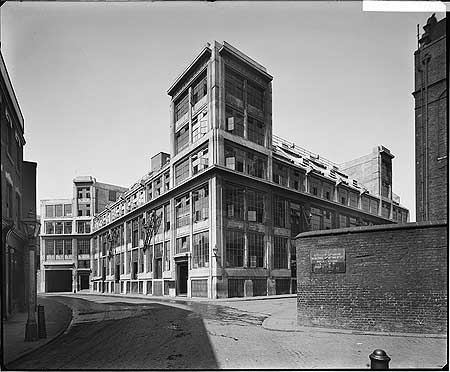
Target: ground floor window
pixel 200 257
pixel 234 241
pixel 280 253
pixel 255 250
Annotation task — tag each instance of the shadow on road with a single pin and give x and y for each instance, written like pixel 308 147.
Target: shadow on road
pixel 126 336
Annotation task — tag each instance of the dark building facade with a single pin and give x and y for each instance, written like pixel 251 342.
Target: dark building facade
pixel 431 106
pixel 18 190
pixel 231 197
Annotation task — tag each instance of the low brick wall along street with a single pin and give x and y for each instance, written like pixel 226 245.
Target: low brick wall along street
pixel 386 278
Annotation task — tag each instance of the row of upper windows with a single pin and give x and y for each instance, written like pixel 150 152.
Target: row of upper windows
pixel 241 124
pixel 193 206
pixel 65 227
pixel 199 127
pixel 62 248
pixel 58 210
pixel 239 87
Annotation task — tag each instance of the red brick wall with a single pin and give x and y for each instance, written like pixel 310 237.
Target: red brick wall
pixel 395 279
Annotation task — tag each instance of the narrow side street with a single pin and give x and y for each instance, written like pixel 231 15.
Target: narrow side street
pixel 138 333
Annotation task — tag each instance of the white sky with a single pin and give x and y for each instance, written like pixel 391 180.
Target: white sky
pixel 91 80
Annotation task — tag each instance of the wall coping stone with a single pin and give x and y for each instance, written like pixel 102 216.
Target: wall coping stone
pixel 373 228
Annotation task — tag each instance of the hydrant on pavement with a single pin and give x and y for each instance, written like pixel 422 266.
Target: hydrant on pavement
pixel 379 359
pixel 42 332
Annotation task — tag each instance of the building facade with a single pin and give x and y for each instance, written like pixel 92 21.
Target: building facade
pixel 431 122
pixel 18 191
pixel 66 226
pixel 231 196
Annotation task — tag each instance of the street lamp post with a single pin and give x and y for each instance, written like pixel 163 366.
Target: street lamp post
pixel 32 230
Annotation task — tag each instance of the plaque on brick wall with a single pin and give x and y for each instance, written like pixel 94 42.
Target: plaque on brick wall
pixel 330 260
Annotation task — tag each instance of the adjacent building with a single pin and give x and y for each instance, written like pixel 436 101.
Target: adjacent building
pixel 431 122
pixel 18 196
pixel 66 226
pixel 231 196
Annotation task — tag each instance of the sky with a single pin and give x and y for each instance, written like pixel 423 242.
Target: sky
pixel 92 78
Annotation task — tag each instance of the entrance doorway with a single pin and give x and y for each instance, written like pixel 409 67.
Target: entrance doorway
pixel 83 281
pixel 182 277
pixel 58 281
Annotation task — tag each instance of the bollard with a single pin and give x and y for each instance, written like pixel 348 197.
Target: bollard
pixel 42 332
pixel 379 359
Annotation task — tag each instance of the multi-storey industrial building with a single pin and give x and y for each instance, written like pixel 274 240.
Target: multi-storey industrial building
pixel 18 194
pixel 431 122
pixel 231 196
pixel 66 226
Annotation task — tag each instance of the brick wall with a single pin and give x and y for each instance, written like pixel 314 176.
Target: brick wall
pixel 395 279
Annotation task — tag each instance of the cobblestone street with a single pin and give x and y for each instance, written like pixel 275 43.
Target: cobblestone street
pixel 140 333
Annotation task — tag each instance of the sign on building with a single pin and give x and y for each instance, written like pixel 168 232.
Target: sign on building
pixel 330 260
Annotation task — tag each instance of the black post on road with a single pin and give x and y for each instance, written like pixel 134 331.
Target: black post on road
pixel 42 331
pixel 379 360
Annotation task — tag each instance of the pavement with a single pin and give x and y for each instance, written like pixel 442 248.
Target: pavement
pixel 280 311
pixel 57 319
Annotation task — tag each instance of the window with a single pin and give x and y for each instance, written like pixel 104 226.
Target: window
pixel 181 171
pixel 353 221
pixel 181 107
pixel 141 260
pixel 128 232
pixel 199 126
pixel 135 232
pixel 234 158
pixel 353 199
pixel 58 227
pixel 149 191
pixel 342 196
pixel 255 96
pixel 201 203
pixel 296 219
pixel 83 227
pixel 50 211
pixel 234 85
pixel 279 212
pixel 327 220
pixel 199 161
pixel 234 245
pixel 256 131
pixel 59 249
pixel 49 228
pixel 365 203
pixel 167 217
pixel 234 122
pixel 157 187
pixel 84 209
pixel 182 138
pixel 280 174
pixel 158 260
pixel 255 206
pixel 182 245
pixel 49 249
pixel 234 202
pixel 321 219
pixel 83 246
pixel 255 250
pixel 314 187
pixel 67 248
pixel 373 206
pixel 280 252
pixel 83 192
pixel 343 221
pixel 149 254
pixel 67 210
pixel 385 210
pixel 327 191
pixel 167 256
pixel 200 255
pixel 182 211
pixel 58 210
pixel 166 181
pixel 256 165
pixel 199 90
pixel 112 195
pixel 296 180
